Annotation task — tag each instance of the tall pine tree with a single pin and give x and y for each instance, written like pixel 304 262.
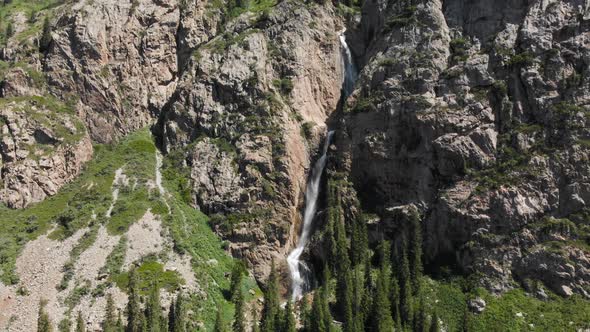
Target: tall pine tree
pixel 46 38
pixel 382 321
pixel 271 310
pixel 395 302
pixel 305 313
pixel 317 316
pixel 358 296
pixel 239 324
pixel 236 279
pixel 289 319
pixel 153 311
pixel 405 301
pixel 177 317
pixel 420 322
pixel 134 314
pixel 110 320
pixel 344 300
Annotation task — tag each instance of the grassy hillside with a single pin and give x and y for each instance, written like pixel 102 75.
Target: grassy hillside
pixel 85 202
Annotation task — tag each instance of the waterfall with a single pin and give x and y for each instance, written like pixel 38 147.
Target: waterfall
pixel 348 66
pixel 298 269
pixel 311 199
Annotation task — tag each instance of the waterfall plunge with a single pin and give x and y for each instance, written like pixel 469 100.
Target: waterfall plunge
pixel 311 199
pixel 313 187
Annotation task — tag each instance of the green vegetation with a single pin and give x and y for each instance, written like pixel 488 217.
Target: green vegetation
pixel 30 9
pixel 72 209
pixel 364 105
pixel 524 59
pixel 221 44
pixel 406 17
pixel 284 85
pixel 235 8
pixel 148 273
pixel 389 290
pixel 459 47
pixel 306 130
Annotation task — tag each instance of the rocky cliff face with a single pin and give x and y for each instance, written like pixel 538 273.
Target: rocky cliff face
pixel 476 112
pixel 40 150
pixel 120 58
pixel 240 95
pixel 248 114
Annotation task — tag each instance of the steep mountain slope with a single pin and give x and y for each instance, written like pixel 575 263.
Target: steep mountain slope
pixel 124 124
pixel 476 113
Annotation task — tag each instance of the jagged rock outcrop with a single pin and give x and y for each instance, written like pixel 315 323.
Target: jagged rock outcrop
pixel 41 149
pixel 476 112
pixel 248 113
pixel 119 58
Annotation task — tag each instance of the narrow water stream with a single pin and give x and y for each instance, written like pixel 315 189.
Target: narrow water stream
pixel 311 199
pixel 297 268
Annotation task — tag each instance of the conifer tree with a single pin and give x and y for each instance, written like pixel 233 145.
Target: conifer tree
pixel 420 317
pixel 153 311
pixel 416 267
pixel 344 300
pixel 305 313
pixel 236 279
pixel 219 322
pixel 359 246
pixel 43 322
pixel 80 325
pixel 367 304
pixel 325 303
pixel 120 327
pixel 134 314
pixel 271 310
pixel 171 316
pixel 289 319
pixel 434 324
pixel 381 316
pixel 465 322
pixel 395 301
pixel 9 32
pixel 405 289
pixel 358 311
pixel 178 321
pixel 239 325
pixel 110 321
pixel 46 38
pixel 317 317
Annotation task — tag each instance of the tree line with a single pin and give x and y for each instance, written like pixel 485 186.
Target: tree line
pixel 362 288
pixel 150 318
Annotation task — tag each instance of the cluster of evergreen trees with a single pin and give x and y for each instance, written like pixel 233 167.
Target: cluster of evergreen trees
pixel 373 292
pixel 273 319
pixel 378 292
pixel 150 318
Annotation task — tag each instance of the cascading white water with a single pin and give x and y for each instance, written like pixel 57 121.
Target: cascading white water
pixel 348 66
pixel 313 187
pixel 311 199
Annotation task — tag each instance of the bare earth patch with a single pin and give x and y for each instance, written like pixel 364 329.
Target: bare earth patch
pixel 40 270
